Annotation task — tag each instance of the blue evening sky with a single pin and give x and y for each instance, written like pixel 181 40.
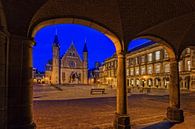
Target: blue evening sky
pixel 99 46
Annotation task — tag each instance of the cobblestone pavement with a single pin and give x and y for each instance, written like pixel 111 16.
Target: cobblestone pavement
pixel 98 113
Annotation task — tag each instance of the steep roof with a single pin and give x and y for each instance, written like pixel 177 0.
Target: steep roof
pixel 71 48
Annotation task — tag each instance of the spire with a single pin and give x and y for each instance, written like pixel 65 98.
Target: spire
pixel 56 41
pixel 85 47
pixel 72 45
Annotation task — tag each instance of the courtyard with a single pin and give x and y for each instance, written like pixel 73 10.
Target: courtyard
pixel 73 107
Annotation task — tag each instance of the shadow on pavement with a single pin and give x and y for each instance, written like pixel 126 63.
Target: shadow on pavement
pixel 161 125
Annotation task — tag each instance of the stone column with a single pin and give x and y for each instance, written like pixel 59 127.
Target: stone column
pixel 122 120
pixel 174 113
pixel 192 78
pixel 3 79
pixel 20 84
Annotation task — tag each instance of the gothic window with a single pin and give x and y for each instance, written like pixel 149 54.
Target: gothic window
pixel 72 64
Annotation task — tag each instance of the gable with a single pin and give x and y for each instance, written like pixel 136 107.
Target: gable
pixel 71 57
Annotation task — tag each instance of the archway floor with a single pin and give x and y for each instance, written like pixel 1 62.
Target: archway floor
pixel 98 113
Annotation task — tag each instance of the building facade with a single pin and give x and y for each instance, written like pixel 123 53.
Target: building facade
pixel 148 66
pixel 70 68
pixel 108 71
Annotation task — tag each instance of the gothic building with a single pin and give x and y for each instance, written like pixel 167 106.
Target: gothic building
pixel 68 69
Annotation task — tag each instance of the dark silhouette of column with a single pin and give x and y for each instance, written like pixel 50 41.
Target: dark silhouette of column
pixel 122 120
pixel 3 79
pixel 20 83
pixel 174 113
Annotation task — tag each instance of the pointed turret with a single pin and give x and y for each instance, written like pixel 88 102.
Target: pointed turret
pixel 85 47
pixel 56 41
pixel 85 64
pixel 55 78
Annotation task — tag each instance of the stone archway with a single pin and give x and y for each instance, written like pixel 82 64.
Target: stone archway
pixel 121 112
pixel 174 113
pixel 116 41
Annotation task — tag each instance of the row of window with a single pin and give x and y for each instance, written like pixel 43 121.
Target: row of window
pixel 149 82
pixel 112 64
pixel 142 70
pixel 155 56
pixel 187 68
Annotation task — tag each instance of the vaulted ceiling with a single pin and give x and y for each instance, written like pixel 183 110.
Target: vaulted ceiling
pixel 171 20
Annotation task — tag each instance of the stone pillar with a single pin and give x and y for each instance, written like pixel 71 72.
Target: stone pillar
pixel 192 78
pixel 20 84
pixel 122 120
pixel 174 113
pixel 3 80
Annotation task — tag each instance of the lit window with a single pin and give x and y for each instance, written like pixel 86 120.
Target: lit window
pixel 131 61
pixel 127 72
pixel 150 57
pixel 157 55
pixel 136 60
pixel 127 63
pixel 137 82
pixel 157 68
pixel 149 82
pixel 150 69
pixel 167 68
pixel 142 59
pixel 189 65
pixel 137 71
pixel 165 54
pixel 132 82
pixel 132 72
pixel 143 70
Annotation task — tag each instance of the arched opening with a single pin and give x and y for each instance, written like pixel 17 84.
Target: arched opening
pixel 166 82
pixel 186 68
pixel 107 33
pixel 143 83
pixel 155 60
pixel 36 27
pixel 150 82
pixel 157 82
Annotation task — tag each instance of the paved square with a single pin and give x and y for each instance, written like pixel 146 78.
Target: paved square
pixel 75 108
